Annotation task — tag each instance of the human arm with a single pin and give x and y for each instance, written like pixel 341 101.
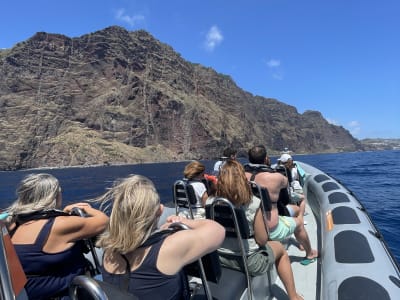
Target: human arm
pixel 75 228
pixel 204 198
pixel 260 231
pixel 186 246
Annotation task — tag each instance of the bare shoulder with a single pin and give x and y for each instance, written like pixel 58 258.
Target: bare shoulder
pixel 270 176
pixel 178 240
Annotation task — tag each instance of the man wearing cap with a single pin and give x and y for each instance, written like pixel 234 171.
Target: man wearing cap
pixel 297 172
pixel 296 189
pixel 280 227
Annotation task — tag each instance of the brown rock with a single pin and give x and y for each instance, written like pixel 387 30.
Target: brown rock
pixel 124 97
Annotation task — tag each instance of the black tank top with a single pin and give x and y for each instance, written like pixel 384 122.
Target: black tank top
pixel 49 274
pixel 147 282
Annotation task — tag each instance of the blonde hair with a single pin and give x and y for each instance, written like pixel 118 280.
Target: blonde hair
pixel 134 214
pixel 193 169
pixel 233 184
pixel 35 192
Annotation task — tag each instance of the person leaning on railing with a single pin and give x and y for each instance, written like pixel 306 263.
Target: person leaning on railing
pixel 48 241
pixel 137 256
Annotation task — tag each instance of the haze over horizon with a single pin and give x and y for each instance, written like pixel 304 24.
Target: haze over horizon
pixel 340 58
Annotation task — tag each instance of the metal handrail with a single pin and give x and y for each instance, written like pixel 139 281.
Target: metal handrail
pixel 203 276
pixel 88 241
pixel 89 284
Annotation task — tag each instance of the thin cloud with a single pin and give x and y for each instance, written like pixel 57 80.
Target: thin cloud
pixel 214 37
pixel 121 15
pixel 354 128
pixel 274 66
pixel 354 124
pixel 273 63
pixel 333 122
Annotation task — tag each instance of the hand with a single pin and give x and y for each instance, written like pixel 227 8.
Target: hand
pixel 80 205
pixel 172 219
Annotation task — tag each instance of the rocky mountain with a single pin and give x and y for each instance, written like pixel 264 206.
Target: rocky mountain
pixel 124 97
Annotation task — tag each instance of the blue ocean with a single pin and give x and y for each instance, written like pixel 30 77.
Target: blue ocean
pixel 374 177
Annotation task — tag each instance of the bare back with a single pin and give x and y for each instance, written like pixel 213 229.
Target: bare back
pixel 274 182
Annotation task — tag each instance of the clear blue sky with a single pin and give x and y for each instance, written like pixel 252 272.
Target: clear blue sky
pixel 339 57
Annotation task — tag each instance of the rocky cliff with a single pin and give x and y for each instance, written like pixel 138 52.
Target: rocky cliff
pixel 124 97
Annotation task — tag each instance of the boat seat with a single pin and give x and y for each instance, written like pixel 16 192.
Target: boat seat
pixel 235 222
pixel 263 195
pixel 230 286
pixel 184 197
pixel 266 203
pixel 281 169
pixel 12 275
pixel 219 283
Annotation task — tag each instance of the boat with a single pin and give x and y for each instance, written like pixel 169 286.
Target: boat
pixel 354 261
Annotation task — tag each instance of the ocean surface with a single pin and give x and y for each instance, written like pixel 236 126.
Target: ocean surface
pixel 374 177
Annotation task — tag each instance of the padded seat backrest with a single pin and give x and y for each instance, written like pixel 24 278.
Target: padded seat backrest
pixel 183 194
pixel 266 203
pixel 226 215
pixel 211 266
pixel 262 194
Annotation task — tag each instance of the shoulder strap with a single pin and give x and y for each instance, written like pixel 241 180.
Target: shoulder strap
pixel 125 282
pixel 12 231
pixel 36 215
pixel 254 169
pixel 44 232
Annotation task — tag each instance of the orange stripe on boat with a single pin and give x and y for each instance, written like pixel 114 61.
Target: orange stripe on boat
pixel 329 220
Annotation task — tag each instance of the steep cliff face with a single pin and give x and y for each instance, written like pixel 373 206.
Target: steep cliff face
pixel 123 97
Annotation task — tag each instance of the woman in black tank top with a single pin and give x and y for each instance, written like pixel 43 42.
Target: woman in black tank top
pixel 146 269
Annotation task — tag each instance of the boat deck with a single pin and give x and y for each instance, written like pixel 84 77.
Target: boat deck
pixel 305 276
